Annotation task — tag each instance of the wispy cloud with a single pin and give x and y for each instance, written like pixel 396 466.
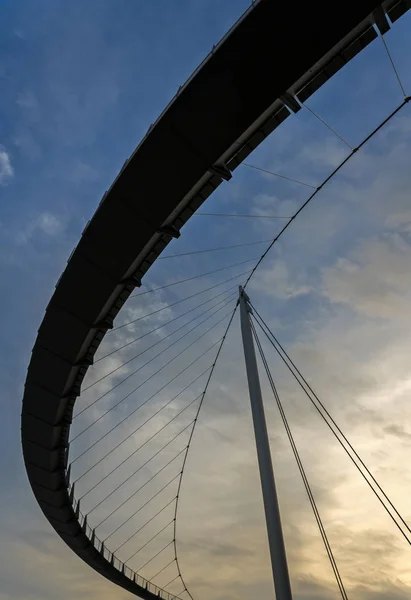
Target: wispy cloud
pixel 6 169
pixel 28 102
pixel 375 279
pixel 46 224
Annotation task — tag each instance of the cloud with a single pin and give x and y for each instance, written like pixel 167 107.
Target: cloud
pixel 45 569
pixel 328 152
pixel 6 169
pixel 27 144
pixel 277 281
pixel 398 431
pixel 28 102
pixel 375 280
pixel 46 224
pixel 82 173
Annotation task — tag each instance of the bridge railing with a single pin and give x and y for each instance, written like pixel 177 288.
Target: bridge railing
pixel 111 558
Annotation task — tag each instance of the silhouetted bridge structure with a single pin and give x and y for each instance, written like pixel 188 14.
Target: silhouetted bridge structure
pixel 276 54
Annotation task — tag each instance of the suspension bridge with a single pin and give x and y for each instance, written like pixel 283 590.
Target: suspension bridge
pixel 109 414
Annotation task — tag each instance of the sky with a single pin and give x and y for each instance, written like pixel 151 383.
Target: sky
pixel 80 85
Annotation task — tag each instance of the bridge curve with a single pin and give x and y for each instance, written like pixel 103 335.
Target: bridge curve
pixel 231 103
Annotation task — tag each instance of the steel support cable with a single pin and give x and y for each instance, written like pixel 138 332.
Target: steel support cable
pixel 137 409
pixel 158 533
pixel 301 469
pixel 125 460
pixel 213 249
pixel 162 388
pixel 145 381
pixel 153 557
pixel 202 214
pixel 152 577
pixel 331 423
pixel 281 352
pixel 324 182
pixel 224 303
pixel 164 338
pixel 141 487
pixel 150 540
pixel 326 125
pixel 278 175
pixel 167 285
pixel 149 521
pixel 162 550
pixel 190 440
pixel 171 581
pixel 229 297
pixel 171 320
pixel 392 63
pixel 154 537
pixel 137 449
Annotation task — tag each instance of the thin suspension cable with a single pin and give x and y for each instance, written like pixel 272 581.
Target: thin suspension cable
pixel 153 538
pixel 190 440
pixel 325 181
pixel 164 338
pixel 140 488
pixel 170 582
pixel 331 423
pixel 128 539
pixel 138 408
pixel 150 540
pixel 124 461
pixel 297 457
pixel 171 320
pixel 326 125
pixel 278 175
pixel 290 362
pixel 139 447
pixel 159 354
pixel 187 297
pixel 213 249
pixel 163 387
pixel 153 557
pixel 182 592
pixel 170 381
pixel 167 285
pixel 161 570
pixel 144 382
pixel 392 63
pixel 203 214
pixel 158 533
pixel 162 550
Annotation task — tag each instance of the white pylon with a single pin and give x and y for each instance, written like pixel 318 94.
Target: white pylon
pixel 272 512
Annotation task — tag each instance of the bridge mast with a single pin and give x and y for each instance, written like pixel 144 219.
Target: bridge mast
pixel 272 511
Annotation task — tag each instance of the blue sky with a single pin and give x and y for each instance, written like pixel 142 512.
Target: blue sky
pixel 80 85
pixel 67 126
